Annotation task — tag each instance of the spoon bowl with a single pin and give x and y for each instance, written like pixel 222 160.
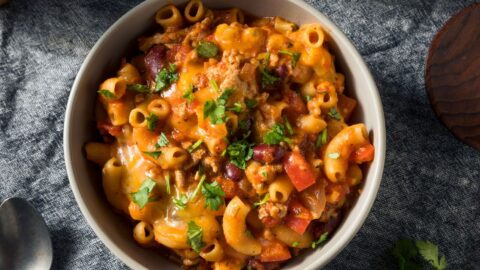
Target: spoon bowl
pixel 24 238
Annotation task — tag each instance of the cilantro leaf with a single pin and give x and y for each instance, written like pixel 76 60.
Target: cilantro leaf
pixel 320 240
pixel 162 140
pixel 181 201
pixel 189 94
pixel 334 114
pixel 294 55
pixel 194 236
pixel 321 139
pixel 207 49
pixel 429 252
pixel 140 88
pixel 165 77
pixel 213 194
pixel 263 201
pixel 141 197
pixel 295 244
pixel 240 152
pixel 216 109
pixel 152 121
pixel 251 103
pixel 107 94
pixel 153 154
pixel 237 107
pixel 194 146
pixel 276 135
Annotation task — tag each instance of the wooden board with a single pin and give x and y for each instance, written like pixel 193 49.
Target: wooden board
pixel 453 75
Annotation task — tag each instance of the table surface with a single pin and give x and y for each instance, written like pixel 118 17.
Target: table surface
pixel 430 188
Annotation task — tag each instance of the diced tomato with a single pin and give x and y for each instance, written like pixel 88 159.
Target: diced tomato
pixel 298 170
pixel 363 154
pixel 109 128
pixel 274 251
pixel 298 217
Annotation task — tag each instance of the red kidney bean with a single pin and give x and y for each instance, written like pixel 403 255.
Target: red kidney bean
pixel 155 59
pixel 232 172
pixel 264 153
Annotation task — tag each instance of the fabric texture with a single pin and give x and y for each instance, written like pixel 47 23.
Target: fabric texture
pixel 430 188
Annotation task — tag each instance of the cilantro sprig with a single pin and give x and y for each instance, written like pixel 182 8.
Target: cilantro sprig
pixel 142 196
pixel 165 77
pixel 276 135
pixel 321 139
pixel 406 251
pixel 194 236
pixel 240 152
pixel 213 195
pixel 216 109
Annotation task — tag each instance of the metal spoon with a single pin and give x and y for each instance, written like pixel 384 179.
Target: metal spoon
pixel 24 239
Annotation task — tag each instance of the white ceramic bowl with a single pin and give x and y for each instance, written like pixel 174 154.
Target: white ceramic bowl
pixel 104 58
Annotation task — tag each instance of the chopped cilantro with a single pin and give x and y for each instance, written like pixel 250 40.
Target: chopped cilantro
pixel 264 174
pixel 107 94
pixel 207 49
pixel 237 107
pixel 152 121
pixel 181 201
pixel 162 140
pixel 295 244
pixel 216 109
pixel 165 77
pixel 294 55
pixel 153 154
pixel 321 139
pixel 276 135
pixel 214 85
pixel 263 201
pixel 140 88
pixel 194 236
pixel 251 103
pixel 267 78
pixel 141 197
pixel 308 98
pixel 320 240
pixel 334 114
pixel 194 146
pixel 189 94
pixel 200 184
pixel 213 195
pixel 240 152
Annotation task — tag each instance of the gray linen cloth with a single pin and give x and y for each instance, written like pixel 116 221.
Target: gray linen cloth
pixel 430 187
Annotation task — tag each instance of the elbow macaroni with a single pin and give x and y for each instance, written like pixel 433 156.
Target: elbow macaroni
pixel 226 140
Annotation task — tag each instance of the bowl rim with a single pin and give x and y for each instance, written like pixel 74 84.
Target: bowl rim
pixel 376 169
